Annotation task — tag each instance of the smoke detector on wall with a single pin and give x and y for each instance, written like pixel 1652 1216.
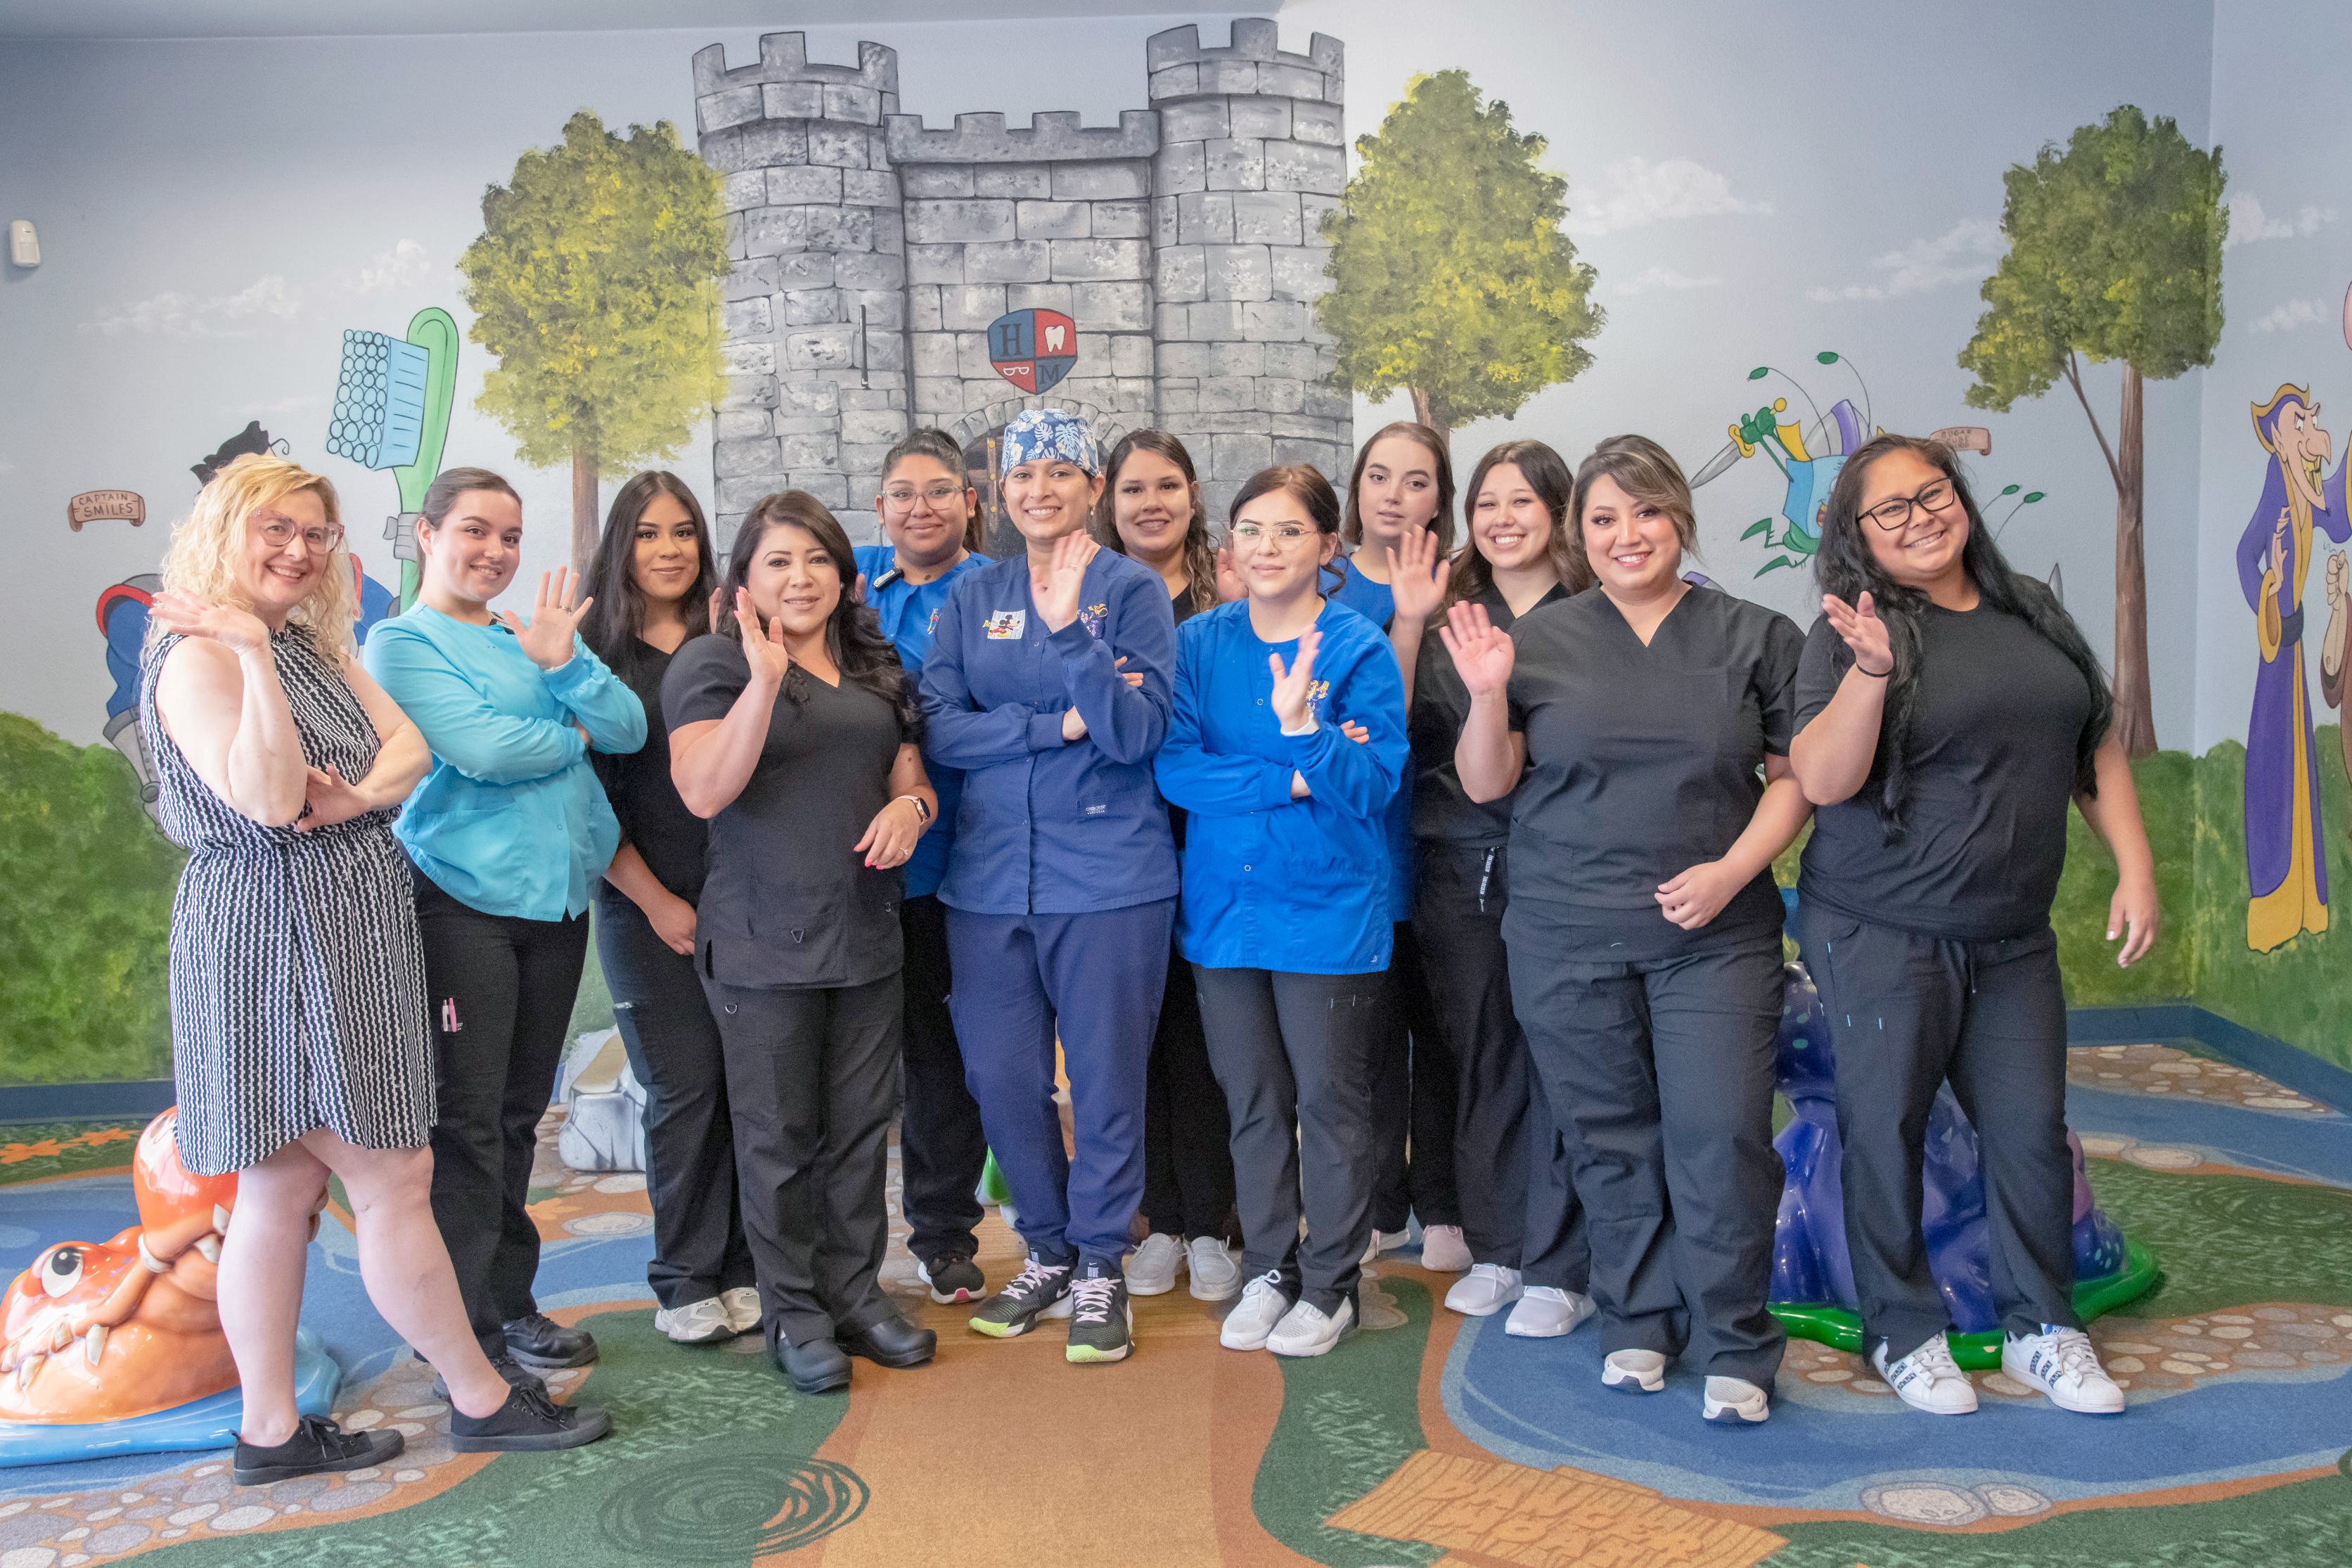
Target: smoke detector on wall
pixel 24 245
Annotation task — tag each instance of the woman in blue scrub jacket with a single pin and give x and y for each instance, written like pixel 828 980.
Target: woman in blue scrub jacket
pixel 1643 730
pixel 1152 511
pixel 508 834
pixel 1048 686
pixel 930 517
pixel 1400 499
pixel 1286 914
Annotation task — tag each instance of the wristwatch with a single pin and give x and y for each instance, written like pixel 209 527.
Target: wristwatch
pixel 923 812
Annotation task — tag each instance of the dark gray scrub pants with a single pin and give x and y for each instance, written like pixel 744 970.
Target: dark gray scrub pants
pixel 1906 1013
pixel 1294 1055
pixel 813 1081
pixel 1661 1073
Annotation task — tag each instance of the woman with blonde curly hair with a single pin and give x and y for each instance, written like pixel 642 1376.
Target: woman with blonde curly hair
pixel 297 987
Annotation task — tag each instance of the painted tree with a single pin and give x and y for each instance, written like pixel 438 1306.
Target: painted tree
pixel 2114 253
pixel 595 281
pixel 1451 277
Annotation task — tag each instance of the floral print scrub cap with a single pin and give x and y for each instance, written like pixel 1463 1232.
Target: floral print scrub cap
pixel 1050 433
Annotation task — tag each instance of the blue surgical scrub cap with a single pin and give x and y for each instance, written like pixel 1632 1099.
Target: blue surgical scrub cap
pixel 1050 433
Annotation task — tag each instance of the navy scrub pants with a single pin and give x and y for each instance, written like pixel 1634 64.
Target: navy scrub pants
pixel 1906 1013
pixel 1295 1055
pixel 1095 980
pixel 1518 1208
pixel 941 1146
pixel 1661 1073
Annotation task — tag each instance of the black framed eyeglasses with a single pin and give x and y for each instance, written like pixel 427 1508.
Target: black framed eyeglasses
pixel 1893 515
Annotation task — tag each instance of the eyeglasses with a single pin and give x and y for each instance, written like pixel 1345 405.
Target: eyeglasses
pixel 1895 514
pixel 323 538
pixel 1281 534
pixel 938 495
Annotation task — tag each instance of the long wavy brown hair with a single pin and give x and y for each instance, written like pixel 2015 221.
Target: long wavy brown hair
pixel 852 633
pixel 1548 475
pixel 1199 554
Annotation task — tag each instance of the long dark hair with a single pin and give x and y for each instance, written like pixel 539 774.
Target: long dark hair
pixel 1200 555
pixel 929 441
pixel 1844 566
pixel 1548 475
pixel 853 635
pixel 617 620
pixel 1441 522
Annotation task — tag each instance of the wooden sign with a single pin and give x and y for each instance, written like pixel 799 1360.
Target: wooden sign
pixel 97 506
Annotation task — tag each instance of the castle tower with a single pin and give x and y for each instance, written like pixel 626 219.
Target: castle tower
pixel 1251 156
pixel 815 320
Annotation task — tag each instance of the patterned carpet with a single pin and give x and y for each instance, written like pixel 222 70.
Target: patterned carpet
pixel 1427 1438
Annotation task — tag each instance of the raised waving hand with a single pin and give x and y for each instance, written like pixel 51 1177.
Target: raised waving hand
pixel 546 637
pixel 1864 633
pixel 1483 652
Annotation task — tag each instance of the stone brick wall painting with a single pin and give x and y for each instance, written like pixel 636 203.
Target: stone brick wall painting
pixel 876 256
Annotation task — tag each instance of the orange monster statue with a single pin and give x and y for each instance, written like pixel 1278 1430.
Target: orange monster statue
pixel 116 1347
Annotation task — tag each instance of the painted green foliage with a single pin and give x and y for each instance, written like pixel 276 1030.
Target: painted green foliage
pixel 595 282
pixel 1451 276
pixel 83 982
pixel 2114 253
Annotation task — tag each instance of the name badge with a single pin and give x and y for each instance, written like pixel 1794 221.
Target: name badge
pixel 1005 625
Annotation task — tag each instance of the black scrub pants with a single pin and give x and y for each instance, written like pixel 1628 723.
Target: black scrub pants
pixel 1412 1100
pixel 1294 1053
pixel 1518 1208
pixel 812 1079
pixel 1661 1072
pixel 502 989
pixel 942 1149
pixel 1909 1011
pixel 672 1044
pixel 1188 1159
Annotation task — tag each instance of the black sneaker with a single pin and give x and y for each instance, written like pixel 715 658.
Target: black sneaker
pixel 1102 1325
pixel 528 1423
pixel 1041 1290
pixel 317 1447
pixel 952 1279
pixel 539 1340
pixel 517 1375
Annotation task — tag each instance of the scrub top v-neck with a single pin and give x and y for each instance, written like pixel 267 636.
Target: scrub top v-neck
pixel 787 902
pixel 1644 761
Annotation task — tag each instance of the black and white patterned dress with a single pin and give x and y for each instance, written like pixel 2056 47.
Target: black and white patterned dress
pixel 297 981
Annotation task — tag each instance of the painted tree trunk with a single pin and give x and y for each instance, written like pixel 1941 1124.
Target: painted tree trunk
pixel 2134 708
pixel 584 523
pixel 1429 414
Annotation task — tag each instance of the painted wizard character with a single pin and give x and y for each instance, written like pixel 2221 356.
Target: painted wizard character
pixel 2286 871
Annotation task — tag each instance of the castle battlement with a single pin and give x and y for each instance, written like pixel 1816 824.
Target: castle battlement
pixel 1253 64
pixel 1052 136
pixel 887 274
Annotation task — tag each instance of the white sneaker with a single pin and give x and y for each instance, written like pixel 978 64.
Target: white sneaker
pixel 1928 1379
pixel 1636 1372
pixel 1486 1290
pixel 742 1304
pixel 1151 1268
pixel 1442 1250
pixel 1253 1316
pixel 1216 1275
pixel 1733 1400
pixel 1307 1329
pixel 1385 1241
pixel 2062 1364
pixel 1544 1312
pixel 696 1322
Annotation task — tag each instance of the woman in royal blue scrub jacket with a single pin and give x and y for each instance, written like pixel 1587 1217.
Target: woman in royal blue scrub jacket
pixel 1286 913
pixel 509 833
pixel 1061 890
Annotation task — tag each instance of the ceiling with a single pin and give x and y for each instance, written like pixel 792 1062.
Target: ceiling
pixel 317 18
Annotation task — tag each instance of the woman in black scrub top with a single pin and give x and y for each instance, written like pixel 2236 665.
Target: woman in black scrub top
pixel 793 731
pixel 1151 509
pixel 1948 710
pixel 1644 724
pixel 649 593
pixel 1519 1214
